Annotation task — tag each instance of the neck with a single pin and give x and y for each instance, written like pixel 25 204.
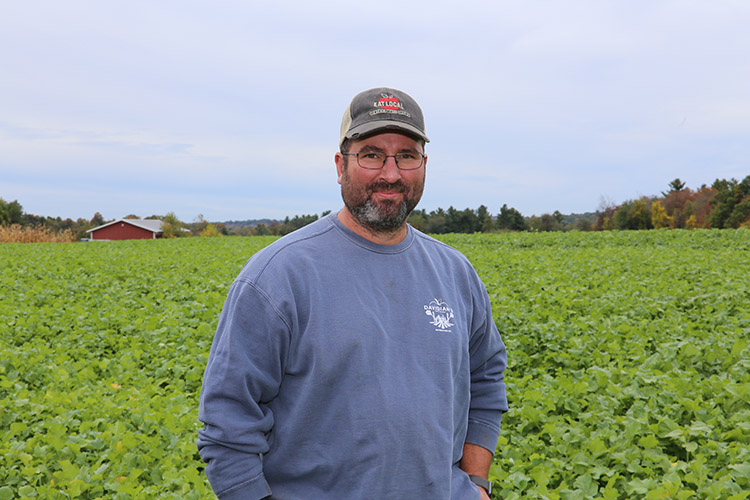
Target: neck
pixel 381 238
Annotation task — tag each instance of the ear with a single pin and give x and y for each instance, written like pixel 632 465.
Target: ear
pixel 339 159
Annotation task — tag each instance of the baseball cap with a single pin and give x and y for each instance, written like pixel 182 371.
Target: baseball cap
pixel 381 110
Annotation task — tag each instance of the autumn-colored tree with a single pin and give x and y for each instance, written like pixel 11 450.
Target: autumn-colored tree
pixel 604 215
pixel 700 205
pixel 659 217
pixel 210 230
pixel 632 214
pixel 199 225
pixel 242 231
pixel 680 203
pixel 221 228
pixel 674 204
pixel 173 227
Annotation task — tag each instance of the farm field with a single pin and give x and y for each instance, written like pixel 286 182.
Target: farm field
pixel 628 378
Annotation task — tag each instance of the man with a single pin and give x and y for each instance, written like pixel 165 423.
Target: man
pixel 357 358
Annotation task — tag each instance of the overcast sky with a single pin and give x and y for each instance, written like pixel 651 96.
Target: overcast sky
pixel 231 109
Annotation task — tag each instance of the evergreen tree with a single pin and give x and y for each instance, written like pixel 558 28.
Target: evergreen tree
pixel 675 186
pixel 511 219
pixel 729 208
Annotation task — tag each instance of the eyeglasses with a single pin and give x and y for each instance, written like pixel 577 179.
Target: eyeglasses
pixel 375 160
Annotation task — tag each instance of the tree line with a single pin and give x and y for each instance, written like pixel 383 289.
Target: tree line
pixel 724 204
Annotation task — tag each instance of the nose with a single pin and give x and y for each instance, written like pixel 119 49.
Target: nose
pixel 390 171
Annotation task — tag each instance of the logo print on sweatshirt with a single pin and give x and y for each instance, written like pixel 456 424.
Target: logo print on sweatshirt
pixel 441 314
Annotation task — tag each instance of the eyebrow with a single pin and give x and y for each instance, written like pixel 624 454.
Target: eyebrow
pixel 368 149
pixel 374 149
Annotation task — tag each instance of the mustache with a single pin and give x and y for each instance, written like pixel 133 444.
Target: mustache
pixel 391 187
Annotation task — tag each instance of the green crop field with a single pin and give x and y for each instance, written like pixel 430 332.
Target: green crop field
pixel 629 374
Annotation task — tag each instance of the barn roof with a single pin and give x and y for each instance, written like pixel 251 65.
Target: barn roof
pixel 153 225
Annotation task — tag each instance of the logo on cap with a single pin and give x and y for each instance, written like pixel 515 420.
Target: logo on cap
pixel 389 102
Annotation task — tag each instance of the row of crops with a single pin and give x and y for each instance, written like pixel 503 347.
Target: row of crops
pixel 629 372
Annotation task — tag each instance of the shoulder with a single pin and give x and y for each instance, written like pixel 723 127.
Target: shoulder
pixel 289 249
pixel 449 259
pixel 438 248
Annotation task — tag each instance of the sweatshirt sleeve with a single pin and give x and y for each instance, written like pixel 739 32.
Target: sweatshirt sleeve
pixel 243 374
pixel 488 362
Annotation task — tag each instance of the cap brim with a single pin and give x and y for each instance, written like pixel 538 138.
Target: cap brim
pixel 370 128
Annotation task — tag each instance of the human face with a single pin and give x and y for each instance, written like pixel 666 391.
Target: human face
pixel 381 200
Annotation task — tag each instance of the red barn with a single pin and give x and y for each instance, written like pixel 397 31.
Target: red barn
pixel 128 229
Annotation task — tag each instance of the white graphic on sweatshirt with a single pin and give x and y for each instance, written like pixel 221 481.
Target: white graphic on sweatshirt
pixel 441 315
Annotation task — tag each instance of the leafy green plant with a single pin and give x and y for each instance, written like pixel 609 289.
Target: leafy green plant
pixel 628 377
pixel 629 371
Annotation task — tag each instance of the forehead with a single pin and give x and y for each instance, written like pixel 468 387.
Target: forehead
pixel 387 140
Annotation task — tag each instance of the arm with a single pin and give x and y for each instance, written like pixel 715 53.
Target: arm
pixel 488 398
pixel 243 373
pixel 476 461
pixel 487 365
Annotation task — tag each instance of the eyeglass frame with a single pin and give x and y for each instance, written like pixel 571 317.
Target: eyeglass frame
pixel 385 159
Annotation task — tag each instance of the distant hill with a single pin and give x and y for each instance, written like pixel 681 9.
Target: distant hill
pixel 235 224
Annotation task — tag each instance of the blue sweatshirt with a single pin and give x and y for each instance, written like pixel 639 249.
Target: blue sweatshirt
pixel 343 369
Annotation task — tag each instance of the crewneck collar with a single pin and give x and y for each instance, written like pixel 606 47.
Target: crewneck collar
pixel 370 245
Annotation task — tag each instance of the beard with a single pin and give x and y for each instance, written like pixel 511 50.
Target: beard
pixel 384 216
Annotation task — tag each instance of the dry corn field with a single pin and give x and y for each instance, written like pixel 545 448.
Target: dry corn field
pixel 16 233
